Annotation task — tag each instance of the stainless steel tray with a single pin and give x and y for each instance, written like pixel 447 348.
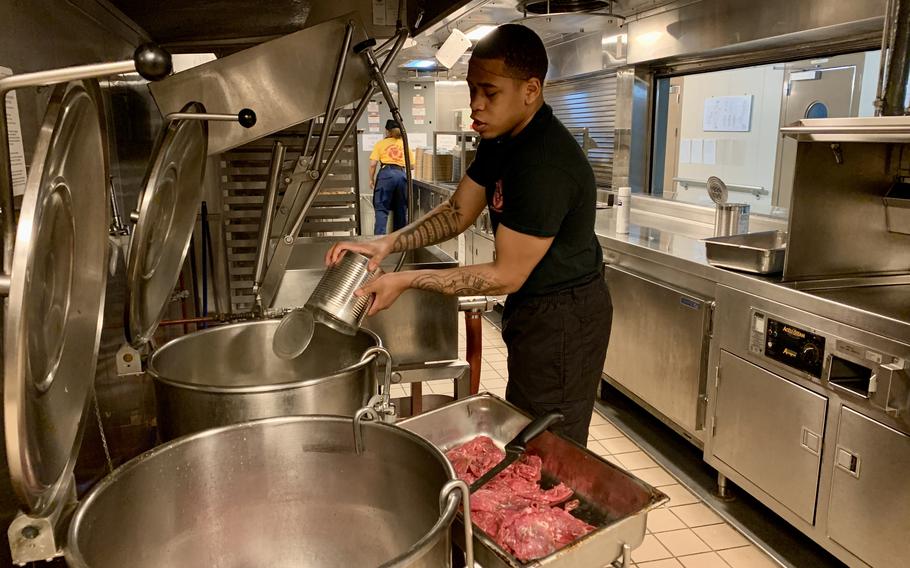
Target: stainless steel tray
pixel 759 253
pixel 614 501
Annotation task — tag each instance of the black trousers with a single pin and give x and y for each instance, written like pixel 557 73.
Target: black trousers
pixel 557 345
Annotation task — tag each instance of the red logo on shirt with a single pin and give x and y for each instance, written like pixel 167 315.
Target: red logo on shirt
pixel 496 205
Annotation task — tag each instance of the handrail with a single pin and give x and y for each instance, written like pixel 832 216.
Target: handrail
pixel 755 190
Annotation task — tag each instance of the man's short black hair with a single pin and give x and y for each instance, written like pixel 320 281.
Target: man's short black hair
pixel 521 50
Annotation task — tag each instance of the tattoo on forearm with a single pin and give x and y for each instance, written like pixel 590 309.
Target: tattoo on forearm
pixel 439 225
pixel 460 282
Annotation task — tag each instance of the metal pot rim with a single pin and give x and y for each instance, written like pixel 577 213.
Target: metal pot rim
pixel 273 387
pixel 74 556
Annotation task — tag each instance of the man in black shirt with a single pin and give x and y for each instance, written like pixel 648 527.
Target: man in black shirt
pixel 541 194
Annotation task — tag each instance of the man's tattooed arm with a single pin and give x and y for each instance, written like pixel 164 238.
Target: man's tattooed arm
pixel 440 224
pixel 464 281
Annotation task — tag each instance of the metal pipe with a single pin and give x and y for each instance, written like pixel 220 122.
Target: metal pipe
pixel 330 105
pixel 186 321
pixel 309 137
pixel 377 70
pixel 474 344
pixel 54 76
pixel 333 155
pixel 887 38
pixel 265 218
pixel 898 62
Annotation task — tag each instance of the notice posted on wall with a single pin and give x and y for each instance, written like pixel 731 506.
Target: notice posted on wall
pixel 446 141
pixel 367 141
pixel 14 131
pixel 728 114
pixel 417 139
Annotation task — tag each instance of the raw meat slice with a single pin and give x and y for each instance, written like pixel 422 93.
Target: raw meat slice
pixel 512 508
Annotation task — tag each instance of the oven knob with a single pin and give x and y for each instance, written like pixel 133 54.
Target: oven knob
pixel 811 354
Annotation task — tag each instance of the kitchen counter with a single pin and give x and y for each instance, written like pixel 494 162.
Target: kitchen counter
pixel 676 244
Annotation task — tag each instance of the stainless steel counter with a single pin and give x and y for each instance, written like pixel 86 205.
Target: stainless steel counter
pixel 675 244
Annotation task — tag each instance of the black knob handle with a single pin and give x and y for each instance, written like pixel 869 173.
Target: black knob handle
pixel 246 117
pixel 811 354
pixel 152 61
pixel 364 45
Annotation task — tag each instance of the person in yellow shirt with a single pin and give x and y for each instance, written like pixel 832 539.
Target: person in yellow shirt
pixel 390 188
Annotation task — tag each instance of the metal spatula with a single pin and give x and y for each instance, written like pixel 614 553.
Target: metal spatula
pixel 517 446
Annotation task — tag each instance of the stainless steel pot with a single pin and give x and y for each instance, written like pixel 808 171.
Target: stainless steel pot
pixel 281 492
pixel 230 374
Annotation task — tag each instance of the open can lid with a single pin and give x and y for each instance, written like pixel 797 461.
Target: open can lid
pixel 55 309
pixel 172 192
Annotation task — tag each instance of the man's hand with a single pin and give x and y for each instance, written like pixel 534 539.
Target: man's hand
pixel 387 288
pixel 376 249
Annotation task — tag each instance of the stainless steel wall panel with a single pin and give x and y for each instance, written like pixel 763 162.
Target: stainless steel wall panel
pixel 285 81
pixel 589 103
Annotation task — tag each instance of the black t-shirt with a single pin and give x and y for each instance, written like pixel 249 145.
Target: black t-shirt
pixel 540 183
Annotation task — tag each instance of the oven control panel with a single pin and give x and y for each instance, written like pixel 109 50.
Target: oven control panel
pixel 788 344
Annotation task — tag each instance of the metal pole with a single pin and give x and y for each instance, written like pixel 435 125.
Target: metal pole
pixel 333 155
pixel 333 95
pixel 898 70
pixel 265 218
pixel 54 76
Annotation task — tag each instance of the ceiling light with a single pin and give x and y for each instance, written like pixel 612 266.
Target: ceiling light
pixel 479 32
pixel 420 64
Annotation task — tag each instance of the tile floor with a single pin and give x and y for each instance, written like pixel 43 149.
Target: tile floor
pixel 682 534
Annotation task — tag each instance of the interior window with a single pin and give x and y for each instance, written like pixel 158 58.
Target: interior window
pixel 726 124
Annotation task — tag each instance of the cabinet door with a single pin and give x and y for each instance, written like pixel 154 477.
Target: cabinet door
pixel 770 430
pixel 869 512
pixel 658 345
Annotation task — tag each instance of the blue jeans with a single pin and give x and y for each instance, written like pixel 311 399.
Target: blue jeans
pixel 390 195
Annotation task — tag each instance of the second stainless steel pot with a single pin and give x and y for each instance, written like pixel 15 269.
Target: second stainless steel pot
pixel 278 493
pixel 230 374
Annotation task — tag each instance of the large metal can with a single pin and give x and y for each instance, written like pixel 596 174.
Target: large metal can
pixel 230 374
pixel 280 492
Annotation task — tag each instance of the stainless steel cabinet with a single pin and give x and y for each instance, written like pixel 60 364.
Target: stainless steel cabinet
pixel 869 511
pixel 770 431
pixel 484 249
pixel 659 346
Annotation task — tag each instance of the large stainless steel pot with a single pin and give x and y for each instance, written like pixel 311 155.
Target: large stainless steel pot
pixel 230 374
pixel 281 492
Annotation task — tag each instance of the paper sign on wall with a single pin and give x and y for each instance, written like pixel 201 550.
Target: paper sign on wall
pixel 728 114
pixel 697 151
pixel 418 99
pixel 685 151
pixel 417 140
pixel 372 107
pixel 367 141
pixel 374 128
pixel 373 119
pixel 446 141
pixel 14 129
pixel 419 111
pixel 710 151
pixel 418 121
